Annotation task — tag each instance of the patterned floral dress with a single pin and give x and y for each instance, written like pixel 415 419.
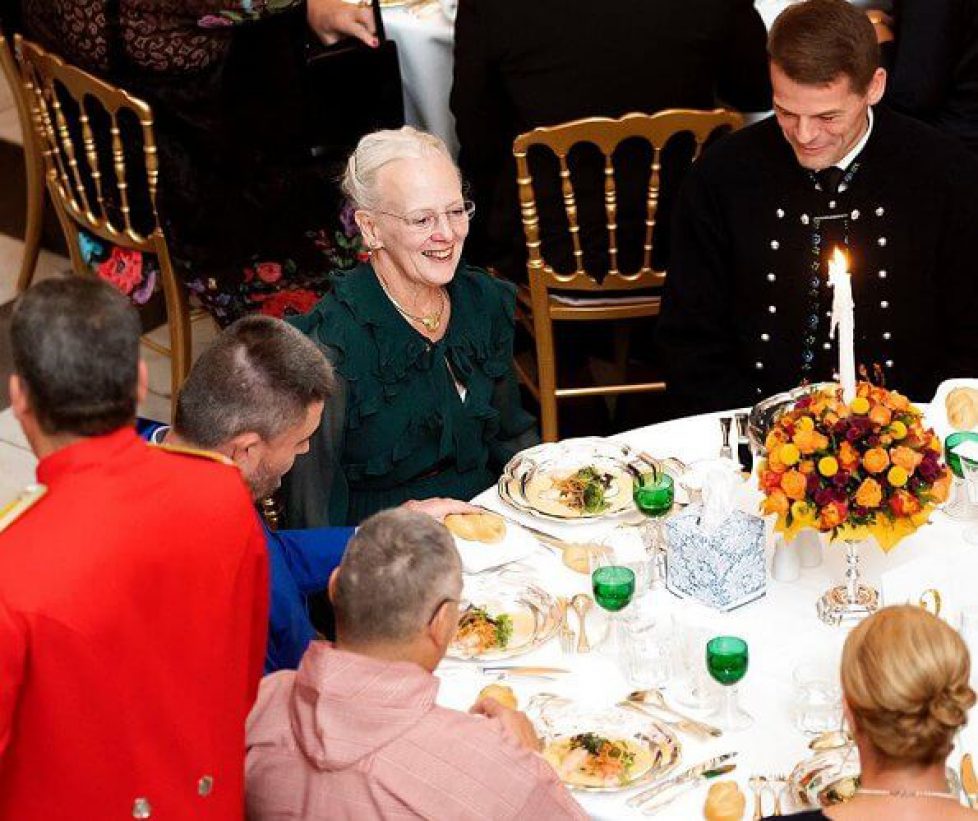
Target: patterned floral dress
pixel 252 219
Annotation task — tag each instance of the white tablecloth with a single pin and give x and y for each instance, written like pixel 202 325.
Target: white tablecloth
pixel 782 629
pixel 424 47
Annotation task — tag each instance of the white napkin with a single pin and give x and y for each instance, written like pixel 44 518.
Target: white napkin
pixel 718 498
pixel 478 556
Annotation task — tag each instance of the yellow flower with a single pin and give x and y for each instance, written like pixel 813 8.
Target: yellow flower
pixel 859 405
pixel 897 429
pixel 788 454
pixel 805 423
pixel 828 466
pixel 897 476
pixel 800 510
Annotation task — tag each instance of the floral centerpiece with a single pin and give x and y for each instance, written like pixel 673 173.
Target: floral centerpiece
pixel 864 469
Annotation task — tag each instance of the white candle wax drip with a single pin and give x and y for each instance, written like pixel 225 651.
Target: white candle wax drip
pixel 843 318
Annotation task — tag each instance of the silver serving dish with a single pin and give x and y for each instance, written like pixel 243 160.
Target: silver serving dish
pixel 558 719
pixel 535 615
pixel 520 483
pixel 762 415
pixel 829 777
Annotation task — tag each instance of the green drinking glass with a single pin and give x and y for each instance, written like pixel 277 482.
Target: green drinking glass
pixel 726 662
pixel 613 587
pixel 958 506
pixel 654 493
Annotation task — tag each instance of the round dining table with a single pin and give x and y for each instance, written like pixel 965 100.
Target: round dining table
pixel 782 629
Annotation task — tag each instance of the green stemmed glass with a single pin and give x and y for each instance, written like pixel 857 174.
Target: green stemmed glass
pixel 726 661
pixel 654 493
pixel 613 587
pixel 959 506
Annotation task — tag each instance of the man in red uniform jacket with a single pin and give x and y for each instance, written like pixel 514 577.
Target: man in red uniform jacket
pixel 132 635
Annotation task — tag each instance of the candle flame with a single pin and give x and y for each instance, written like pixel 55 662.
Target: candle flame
pixel 839 263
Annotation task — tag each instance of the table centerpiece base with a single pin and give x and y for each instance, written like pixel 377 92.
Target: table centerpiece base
pixel 851 601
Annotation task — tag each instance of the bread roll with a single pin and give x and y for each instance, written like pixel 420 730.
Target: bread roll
pixel 724 802
pixel 962 408
pixel 477 527
pixel 578 556
pixel 500 693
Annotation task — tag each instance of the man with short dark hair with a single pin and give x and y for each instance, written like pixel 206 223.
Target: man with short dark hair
pixel 747 303
pixel 355 732
pixel 131 635
pixel 256 396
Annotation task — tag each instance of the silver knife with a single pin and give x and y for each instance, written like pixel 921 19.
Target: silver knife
pixel 521 670
pixel 690 774
pixel 672 791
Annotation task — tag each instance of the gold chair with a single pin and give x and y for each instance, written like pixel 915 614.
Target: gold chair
pixel 33 166
pixel 546 299
pixel 76 156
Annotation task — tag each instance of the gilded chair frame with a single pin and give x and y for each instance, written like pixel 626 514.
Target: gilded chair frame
pixel 539 305
pixel 68 166
pixel 33 167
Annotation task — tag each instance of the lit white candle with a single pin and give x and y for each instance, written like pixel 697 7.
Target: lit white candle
pixel 843 318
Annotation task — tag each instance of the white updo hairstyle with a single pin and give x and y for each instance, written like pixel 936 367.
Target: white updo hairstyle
pixel 380 148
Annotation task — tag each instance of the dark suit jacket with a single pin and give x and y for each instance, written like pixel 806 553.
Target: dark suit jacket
pixel 519 65
pixel 934 65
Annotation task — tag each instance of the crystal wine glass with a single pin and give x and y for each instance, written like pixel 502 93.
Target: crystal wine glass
pixel 970 469
pixel 959 506
pixel 726 661
pixel 654 494
pixel 613 588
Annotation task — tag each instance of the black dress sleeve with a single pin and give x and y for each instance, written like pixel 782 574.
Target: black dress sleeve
pixel 695 333
pixel 745 81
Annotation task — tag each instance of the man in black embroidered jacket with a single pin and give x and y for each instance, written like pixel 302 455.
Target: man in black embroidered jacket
pixel 746 306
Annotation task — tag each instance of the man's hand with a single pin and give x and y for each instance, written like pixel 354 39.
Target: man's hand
pixel 439 508
pixel 514 722
pixel 332 20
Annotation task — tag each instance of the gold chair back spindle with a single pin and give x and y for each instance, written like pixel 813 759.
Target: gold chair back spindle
pixel 82 194
pixel 541 304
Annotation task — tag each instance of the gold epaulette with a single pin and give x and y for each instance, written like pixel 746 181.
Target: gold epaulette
pixel 25 500
pixel 202 454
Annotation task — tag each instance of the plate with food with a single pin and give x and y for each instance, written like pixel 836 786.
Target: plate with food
pixel 486 540
pixel 829 777
pixel 503 619
pixel 609 750
pixel 575 480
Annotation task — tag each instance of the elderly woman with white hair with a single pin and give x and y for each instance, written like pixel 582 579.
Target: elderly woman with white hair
pixel 426 403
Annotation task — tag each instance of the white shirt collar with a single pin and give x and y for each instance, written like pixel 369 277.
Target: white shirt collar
pixel 846 161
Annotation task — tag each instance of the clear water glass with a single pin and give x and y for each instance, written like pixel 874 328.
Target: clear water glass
pixel 817 698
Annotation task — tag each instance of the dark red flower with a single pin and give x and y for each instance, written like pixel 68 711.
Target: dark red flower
pixel 269 271
pixel 841 479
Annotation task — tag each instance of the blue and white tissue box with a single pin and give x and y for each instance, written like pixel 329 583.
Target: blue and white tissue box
pixel 723 569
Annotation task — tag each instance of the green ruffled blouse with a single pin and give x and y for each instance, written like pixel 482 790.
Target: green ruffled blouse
pixel 396 428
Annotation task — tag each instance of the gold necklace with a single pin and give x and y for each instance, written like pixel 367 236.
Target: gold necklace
pixel 431 322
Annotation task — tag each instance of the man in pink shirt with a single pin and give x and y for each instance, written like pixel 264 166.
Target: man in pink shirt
pixel 355 732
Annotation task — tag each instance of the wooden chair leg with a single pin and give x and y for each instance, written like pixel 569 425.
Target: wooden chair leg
pixel 35 213
pixel 178 322
pixel 543 333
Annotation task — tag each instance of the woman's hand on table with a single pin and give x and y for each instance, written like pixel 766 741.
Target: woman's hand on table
pixel 332 20
pixel 514 722
pixel 438 508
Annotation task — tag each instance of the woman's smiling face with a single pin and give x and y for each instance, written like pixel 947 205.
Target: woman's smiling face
pixel 422 221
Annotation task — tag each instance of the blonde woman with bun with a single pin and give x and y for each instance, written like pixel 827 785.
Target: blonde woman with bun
pixel 905 695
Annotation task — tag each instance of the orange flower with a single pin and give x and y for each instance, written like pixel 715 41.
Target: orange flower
pixel 830 418
pixel 774 461
pixel 880 415
pixel 775 439
pixel 870 494
pixel 848 456
pixel 809 441
pixel 906 458
pixel 770 480
pixel 777 502
pixel 941 489
pixel 897 401
pixel 793 483
pixel 876 460
pixel 806 466
pixel 903 503
pixel 832 515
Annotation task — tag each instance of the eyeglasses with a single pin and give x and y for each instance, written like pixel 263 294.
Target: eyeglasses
pixel 424 222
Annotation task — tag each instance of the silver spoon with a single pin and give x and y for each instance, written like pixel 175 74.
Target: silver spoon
pixel 656 699
pixel 582 604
